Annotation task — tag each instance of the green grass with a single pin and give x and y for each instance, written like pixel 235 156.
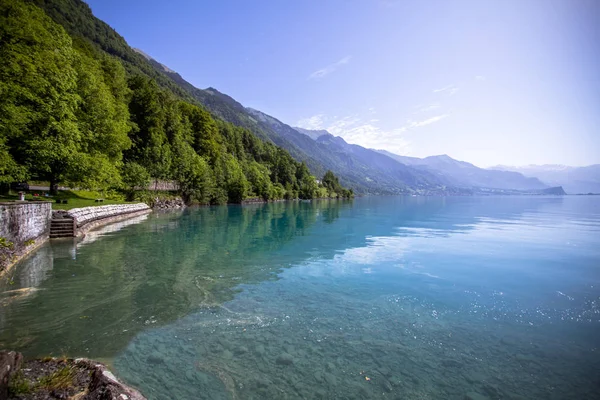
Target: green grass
pixel 84 198
pixel 75 198
pixel 18 385
pixel 61 379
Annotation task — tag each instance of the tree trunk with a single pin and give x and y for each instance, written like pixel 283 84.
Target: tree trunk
pixel 53 187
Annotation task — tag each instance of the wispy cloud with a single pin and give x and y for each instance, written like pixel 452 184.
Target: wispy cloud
pixel 480 78
pixel 315 122
pixel 418 124
pixel 367 133
pixel 427 108
pixel 323 72
pixel 450 90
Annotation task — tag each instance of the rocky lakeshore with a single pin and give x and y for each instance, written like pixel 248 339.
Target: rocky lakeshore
pixel 59 378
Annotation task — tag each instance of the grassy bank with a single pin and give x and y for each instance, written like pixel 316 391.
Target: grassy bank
pixel 73 198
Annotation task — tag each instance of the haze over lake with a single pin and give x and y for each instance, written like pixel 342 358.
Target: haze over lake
pixel 378 297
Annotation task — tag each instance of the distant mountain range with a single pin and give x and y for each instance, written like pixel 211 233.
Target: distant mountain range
pixel 574 180
pixel 461 173
pixel 365 170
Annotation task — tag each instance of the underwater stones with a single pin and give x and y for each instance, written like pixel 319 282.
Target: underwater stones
pixel 474 377
pixel 228 355
pixel 475 396
pixel 330 379
pixel 241 350
pixel 216 348
pixel 189 374
pixel 387 386
pixel 155 358
pixel 284 359
pixel 289 348
pixel 318 375
pixel 491 391
pixel 451 364
pixel 260 350
pixel 262 383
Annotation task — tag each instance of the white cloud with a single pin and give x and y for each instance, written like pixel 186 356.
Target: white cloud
pixel 315 122
pixel 418 124
pixel 367 133
pixel 480 78
pixel 450 89
pixel 321 73
pixel 427 108
pixel 339 126
pixel 374 137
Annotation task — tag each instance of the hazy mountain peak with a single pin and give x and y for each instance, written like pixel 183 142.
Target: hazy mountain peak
pixel 312 133
pixel 147 57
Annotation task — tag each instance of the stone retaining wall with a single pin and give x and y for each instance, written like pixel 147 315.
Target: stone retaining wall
pixel 24 226
pixel 86 215
pixel 23 221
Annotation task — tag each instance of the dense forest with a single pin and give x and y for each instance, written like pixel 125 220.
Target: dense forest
pixel 72 113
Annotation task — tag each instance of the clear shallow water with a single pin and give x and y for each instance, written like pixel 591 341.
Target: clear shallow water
pixel 428 298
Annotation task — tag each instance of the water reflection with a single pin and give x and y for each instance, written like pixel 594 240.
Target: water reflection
pixel 414 307
pixel 96 294
pixel 427 297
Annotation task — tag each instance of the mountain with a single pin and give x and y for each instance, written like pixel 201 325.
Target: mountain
pixel 365 170
pixel 357 167
pixel 311 133
pixel 77 18
pixel 574 180
pixel 463 174
pixel 120 120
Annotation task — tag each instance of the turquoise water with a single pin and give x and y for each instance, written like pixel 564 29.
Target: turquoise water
pixel 380 297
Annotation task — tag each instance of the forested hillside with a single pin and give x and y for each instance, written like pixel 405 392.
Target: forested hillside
pixel 77 18
pixel 85 109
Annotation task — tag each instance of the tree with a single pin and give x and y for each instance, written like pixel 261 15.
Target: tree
pixel 150 144
pixel 38 92
pixel 258 177
pixel 192 173
pixel 134 177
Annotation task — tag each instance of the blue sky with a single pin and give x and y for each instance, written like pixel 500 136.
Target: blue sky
pixel 490 82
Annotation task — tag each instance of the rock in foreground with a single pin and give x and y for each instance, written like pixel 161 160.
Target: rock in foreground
pixel 53 378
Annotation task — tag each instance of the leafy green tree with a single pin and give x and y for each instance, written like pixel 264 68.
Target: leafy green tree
pixel 258 177
pixel 38 92
pixel 193 174
pixel 150 143
pixel 236 183
pixel 10 171
pixel 134 177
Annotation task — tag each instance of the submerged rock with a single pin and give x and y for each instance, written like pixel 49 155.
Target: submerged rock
pixel 475 396
pixel 285 359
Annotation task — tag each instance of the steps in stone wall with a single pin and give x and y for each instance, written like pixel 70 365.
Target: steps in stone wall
pixel 62 227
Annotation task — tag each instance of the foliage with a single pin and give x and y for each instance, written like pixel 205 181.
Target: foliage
pixel 60 379
pixel 134 177
pixel 87 111
pixel 18 385
pixel 6 244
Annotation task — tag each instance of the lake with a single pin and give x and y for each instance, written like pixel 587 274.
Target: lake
pixel 378 297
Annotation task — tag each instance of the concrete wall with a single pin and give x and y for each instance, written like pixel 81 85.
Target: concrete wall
pixel 86 215
pixel 24 221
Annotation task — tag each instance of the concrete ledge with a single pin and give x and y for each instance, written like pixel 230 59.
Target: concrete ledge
pixel 82 230
pixel 86 215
